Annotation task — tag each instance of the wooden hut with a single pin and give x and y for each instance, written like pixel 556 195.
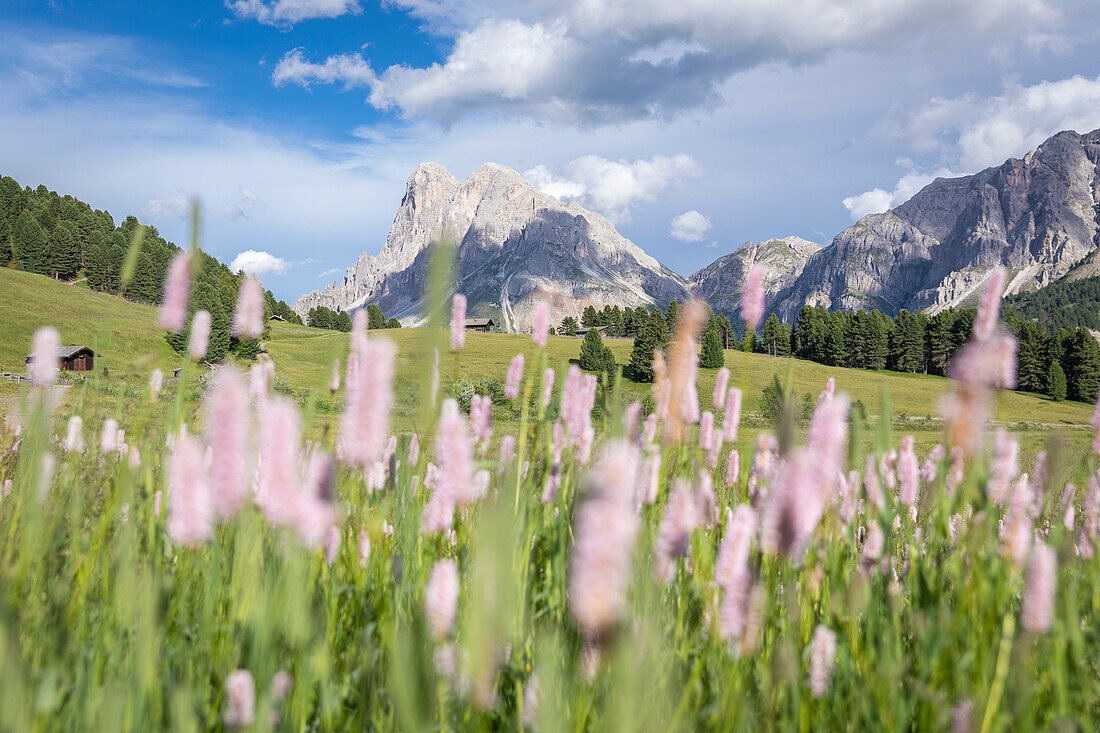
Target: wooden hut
pixel 483 325
pixel 72 359
pixel 277 317
pixel 582 332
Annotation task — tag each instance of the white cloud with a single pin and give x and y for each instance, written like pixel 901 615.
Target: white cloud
pixel 877 200
pixel 974 132
pixel 349 69
pixel 613 187
pixel 690 226
pixel 289 12
pixel 328 273
pixel 173 207
pixel 244 204
pixel 610 60
pixel 258 263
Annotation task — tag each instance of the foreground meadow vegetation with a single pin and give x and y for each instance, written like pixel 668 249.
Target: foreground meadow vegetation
pixel 582 565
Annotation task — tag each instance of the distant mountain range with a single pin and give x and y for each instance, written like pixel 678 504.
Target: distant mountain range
pixel 1038 216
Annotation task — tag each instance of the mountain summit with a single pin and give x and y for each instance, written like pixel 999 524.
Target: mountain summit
pixel 515 246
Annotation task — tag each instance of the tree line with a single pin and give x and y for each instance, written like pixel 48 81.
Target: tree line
pixel 64 238
pixel 322 317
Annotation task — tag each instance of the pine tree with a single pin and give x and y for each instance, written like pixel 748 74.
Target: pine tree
pixel 591 357
pixel 64 253
pixel 671 315
pixel 30 244
pixel 648 340
pixel 343 322
pixel 589 318
pixel 770 337
pixel 939 343
pixel 393 323
pixel 711 355
pixel 1056 382
pixel 1083 362
pixel 568 326
pixel 375 318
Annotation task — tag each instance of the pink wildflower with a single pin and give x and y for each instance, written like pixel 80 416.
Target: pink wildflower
pixel 908 473
pixel 732 417
pixel 514 377
pixel 108 437
pixel 930 468
pixel 414 450
pixel 454 479
pixel 683 366
pixel 200 335
pixel 365 423
pixel 364 548
pixel 314 517
pixel 189 504
pixel 177 291
pixel 732 573
pixel 604 527
pixel 248 319
pixel 706 430
pixel 441 598
pixel 1037 609
pixel 240 699
pixel 334 380
pixel 541 325
pixel 1004 466
pixel 458 321
pixel 652 475
pixel 721 382
pixel 985 322
pixel 673 536
pixel 822 658
pixel 507 449
pixel 74 438
pixel 547 386
pixel 227 433
pixel 1016 528
pixel 1095 423
pixel 631 415
pixel 280 436
pixel 156 383
pixel 650 430
pixel 44 357
pixel 358 340
pixel 733 469
pixel 332 547
pixel 752 298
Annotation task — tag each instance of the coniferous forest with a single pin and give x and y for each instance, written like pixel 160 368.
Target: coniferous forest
pixel 64 238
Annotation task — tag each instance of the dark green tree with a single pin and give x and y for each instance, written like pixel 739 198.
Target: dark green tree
pixel 711 355
pixel 651 338
pixel 343 322
pixel 375 318
pixel 64 253
pixel 591 357
pixel 1056 382
pixel 30 244
pixel 393 323
pixel 590 317
pixel 568 326
pixel 1083 367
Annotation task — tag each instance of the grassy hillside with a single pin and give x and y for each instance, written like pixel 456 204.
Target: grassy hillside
pixel 124 335
pixel 130 345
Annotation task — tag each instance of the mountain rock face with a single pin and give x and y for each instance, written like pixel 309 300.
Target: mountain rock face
pixel 1037 216
pixel 515 247
pixel 781 260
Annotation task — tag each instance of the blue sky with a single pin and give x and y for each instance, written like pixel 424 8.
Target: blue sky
pixel 694 125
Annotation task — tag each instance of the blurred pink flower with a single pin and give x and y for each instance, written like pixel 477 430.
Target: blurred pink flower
pixel 240 699
pixel 44 357
pixel 414 450
pixel 547 386
pixel 227 432
pixel 177 291
pixel 108 436
pixel 190 508
pixel 752 299
pixel 156 383
pixel 706 430
pixel 365 422
pixel 514 377
pixel 458 321
pixel 822 659
pixel 732 573
pixel 733 469
pixel 674 533
pixel 280 439
pixel 441 598
pixel 454 479
pixel 989 308
pixel 334 380
pixel 248 319
pixel 541 321
pixel 732 417
pixel 1037 608
pixel 604 527
pixel 908 473
pixel 200 335
pixel 721 382
pixel 74 437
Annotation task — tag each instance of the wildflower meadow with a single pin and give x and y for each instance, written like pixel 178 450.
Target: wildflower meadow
pixel 239 562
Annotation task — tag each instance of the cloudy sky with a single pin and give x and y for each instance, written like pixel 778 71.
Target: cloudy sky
pixel 694 125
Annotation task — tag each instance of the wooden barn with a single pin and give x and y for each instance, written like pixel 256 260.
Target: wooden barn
pixel 484 325
pixel 72 359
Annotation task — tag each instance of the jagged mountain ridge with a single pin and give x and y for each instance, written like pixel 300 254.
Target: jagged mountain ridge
pixel 514 246
pixel 1038 216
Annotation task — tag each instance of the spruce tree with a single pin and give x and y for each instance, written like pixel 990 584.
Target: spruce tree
pixel 64 253
pixel 30 244
pixel 568 326
pixel 1056 382
pixel 711 356
pixel 671 315
pixel 648 340
pixel 393 323
pixel 1083 372
pixel 589 317
pixel 375 318
pixel 770 336
pixel 592 356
